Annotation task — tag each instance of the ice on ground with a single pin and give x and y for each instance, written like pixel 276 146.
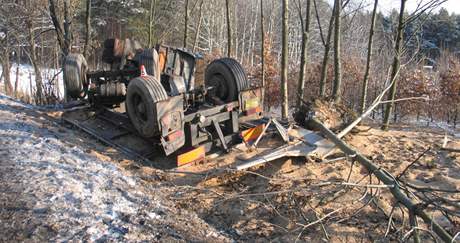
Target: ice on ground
pixel 53 190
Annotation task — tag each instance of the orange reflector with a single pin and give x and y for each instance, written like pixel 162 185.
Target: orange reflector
pixel 252 133
pixel 191 156
pixel 253 111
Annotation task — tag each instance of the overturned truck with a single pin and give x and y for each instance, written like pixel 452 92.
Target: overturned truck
pixel 152 94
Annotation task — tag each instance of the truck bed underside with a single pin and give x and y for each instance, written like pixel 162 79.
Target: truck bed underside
pixel 115 129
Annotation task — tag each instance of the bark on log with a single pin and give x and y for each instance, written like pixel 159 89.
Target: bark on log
pixel 386 178
pixel 452 150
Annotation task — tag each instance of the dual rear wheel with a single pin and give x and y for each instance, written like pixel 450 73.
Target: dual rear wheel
pixel 224 78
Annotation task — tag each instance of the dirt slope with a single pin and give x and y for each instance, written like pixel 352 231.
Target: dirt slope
pixel 52 187
pixel 60 184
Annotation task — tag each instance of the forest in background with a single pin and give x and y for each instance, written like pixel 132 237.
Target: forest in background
pixel 322 57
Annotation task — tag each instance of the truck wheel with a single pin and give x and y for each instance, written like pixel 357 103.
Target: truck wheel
pixel 226 78
pixel 75 67
pixel 143 92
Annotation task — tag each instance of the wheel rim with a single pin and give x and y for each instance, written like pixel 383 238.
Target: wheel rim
pixel 139 107
pixel 218 87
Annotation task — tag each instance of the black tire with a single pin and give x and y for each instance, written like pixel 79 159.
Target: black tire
pixel 75 67
pixel 143 92
pixel 146 57
pixel 227 79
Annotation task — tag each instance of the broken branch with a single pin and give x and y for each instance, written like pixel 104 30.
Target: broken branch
pixel 386 178
pixel 413 162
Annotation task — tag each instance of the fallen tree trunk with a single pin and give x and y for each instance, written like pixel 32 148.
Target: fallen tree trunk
pixel 386 178
pixel 452 150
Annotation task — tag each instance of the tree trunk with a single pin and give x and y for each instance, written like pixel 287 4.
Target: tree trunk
pixel 395 66
pixel 56 65
pixel 327 47
pixel 57 26
pixel 18 61
pixel 235 31
pixel 67 22
pixel 455 118
pixel 229 29
pixel 6 64
pixel 7 71
pixel 336 95
pixel 198 27
pixel 243 44
pixel 262 54
pixel 151 16
pixel 63 33
pixel 88 29
pixel 33 58
pixel 304 55
pixel 31 94
pixel 369 57
pixel 284 62
pixel 186 24
pixel 250 52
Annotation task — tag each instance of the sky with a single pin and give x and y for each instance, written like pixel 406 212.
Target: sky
pixel 453 6
pixel 385 6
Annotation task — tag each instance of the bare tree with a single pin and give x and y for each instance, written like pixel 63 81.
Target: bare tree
pixel 369 57
pixel 88 29
pixel 304 56
pixel 6 66
pixel 153 4
pixel 336 95
pixel 198 27
pixel 284 61
pixel 327 46
pixel 6 17
pixel 18 61
pixel 186 24
pixel 262 54
pixel 33 56
pixel 62 26
pixel 395 66
pixel 229 29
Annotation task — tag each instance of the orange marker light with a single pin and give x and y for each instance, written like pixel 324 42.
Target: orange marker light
pixel 143 71
pixel 191 156
pixel 252 133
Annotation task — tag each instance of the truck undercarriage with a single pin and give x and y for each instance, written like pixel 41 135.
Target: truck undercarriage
pixel 148 99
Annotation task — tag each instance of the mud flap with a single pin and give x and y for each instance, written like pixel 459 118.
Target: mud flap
pixel 170 117
pixel 171 147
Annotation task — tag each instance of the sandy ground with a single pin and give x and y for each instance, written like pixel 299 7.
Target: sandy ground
pixel 60 184
pixel 298 199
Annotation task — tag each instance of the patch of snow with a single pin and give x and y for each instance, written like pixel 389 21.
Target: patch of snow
pixel 81 191
pixel 52 189
pixel 26 78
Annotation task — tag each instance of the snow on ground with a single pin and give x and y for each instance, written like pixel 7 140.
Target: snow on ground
pixel 26 77
pixel 51 189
